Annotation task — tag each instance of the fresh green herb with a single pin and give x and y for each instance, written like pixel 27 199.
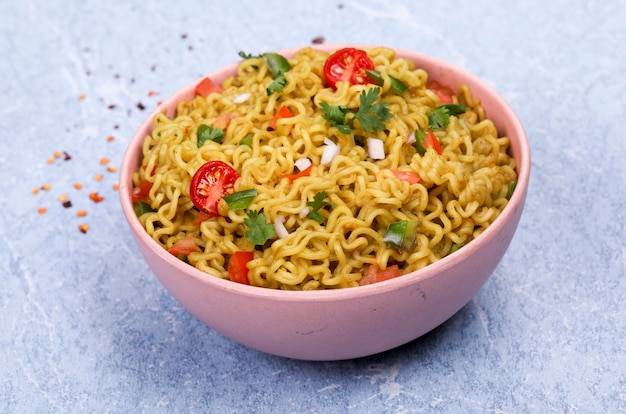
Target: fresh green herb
pixel 277 64
pixel 510 189
pixel 370 115
pixel 397 85
pixel 277 85
pixel 259 231
pixel 247 140
pixel 317 204
pixel 141 208
pixel 440 116
pixel 336 116
pixel 208 133
pixel 240 199
pixel 402 234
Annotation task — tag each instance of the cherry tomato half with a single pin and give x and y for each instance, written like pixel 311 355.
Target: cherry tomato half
pixel 212 181
pixel 348 65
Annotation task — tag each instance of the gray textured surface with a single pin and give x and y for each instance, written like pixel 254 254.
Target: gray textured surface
pixel 85 326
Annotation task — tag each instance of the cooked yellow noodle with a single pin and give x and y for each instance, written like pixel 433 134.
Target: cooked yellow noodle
pixel 460 193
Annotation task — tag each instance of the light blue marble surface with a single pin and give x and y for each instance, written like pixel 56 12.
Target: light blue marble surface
pixel 86 327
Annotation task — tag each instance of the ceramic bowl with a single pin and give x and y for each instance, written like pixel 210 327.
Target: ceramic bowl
pixel 345 323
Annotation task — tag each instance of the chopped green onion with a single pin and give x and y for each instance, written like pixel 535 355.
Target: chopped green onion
pixel 402 234
pixel 397 85
pixel 240 199
pixel 141 208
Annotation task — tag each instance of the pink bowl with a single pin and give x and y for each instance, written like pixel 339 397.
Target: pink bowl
pixel 345 323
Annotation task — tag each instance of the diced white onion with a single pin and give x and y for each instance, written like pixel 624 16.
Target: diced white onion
pixel 302 163
pixel 305 212
pixel 241 98
pixel 330 151
pixel 279 226
pixel 411 138
pixel 375 149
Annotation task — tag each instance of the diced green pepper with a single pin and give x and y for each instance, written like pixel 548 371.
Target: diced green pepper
pixel 420 136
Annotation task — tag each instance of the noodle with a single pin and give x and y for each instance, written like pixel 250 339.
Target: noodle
pixel 460 192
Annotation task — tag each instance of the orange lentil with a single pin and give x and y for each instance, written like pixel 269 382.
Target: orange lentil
pixel 95 197
pixel 84 228
pixel 41 210
pixel 78 186
pixel 110 138
pixel 111 168
pixel 116 187
pixel 57 154
pixel 104 161
pixel 63 197
pixel 50 160
pixel 98 177
pixel 35 191
pixel 46 187
pixel 81 213
pixel 81 97
pixel 150 93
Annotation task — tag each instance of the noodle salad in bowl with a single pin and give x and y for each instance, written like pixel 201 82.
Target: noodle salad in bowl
pixel 320 170
pixel 327 202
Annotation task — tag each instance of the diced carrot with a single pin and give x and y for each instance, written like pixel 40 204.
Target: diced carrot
pixel 283 112
pixel 207 87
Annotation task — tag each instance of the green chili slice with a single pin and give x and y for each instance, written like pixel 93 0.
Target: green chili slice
pixel 240 199
pixel 141 208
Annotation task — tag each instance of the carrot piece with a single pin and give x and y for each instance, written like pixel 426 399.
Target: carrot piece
pixel 207 87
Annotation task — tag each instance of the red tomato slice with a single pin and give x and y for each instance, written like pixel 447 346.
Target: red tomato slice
pixel 407 176
pixel 445 93
pixel 432 141
pixel 184 246
pixel 210 183
pixel 374 274
pixel 348 65
pixel 283 112
pixel 206 87
pixel 237 269
pixel 142 192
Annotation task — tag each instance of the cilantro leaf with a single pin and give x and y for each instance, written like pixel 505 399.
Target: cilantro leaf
pixel 370 115
pixel 317 204
pixel 336 116
pixel 277 85
pixel 207 133
pixel 440 116
pixel 260 231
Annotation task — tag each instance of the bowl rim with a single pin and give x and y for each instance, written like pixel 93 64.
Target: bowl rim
pixel 133 151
